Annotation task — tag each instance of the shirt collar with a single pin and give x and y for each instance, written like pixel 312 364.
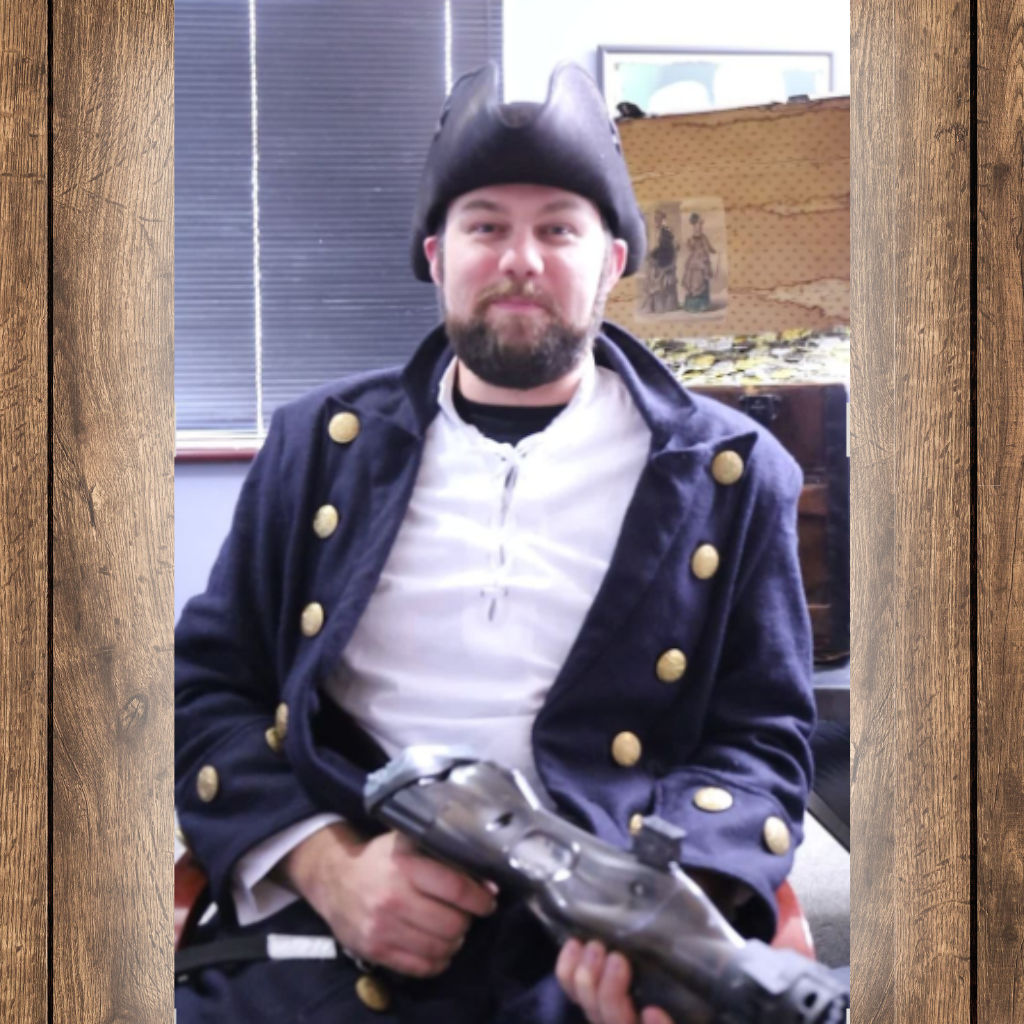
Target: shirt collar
pixel 581 398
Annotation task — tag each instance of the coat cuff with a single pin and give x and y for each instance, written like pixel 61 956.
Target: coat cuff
pixel 241 794
pixel 738 833
pixel 257 896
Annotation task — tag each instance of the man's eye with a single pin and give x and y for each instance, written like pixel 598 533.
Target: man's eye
pixel 560 230
pixel 483 229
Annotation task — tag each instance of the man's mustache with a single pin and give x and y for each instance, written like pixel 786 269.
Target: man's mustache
pixel 500 293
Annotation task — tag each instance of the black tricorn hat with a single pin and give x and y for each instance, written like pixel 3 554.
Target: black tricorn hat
pixel 568 142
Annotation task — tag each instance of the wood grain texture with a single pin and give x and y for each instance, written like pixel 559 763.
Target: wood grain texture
pixel 932 246
pixel 873 803
pixel 932 557
pixel 24 409
pixel 113 556
pixel 1000 415
pixel 910 869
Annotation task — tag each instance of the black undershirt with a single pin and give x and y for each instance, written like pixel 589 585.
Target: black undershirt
pixel 506 424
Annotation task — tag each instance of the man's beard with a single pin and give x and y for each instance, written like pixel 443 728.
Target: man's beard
pixel 526 351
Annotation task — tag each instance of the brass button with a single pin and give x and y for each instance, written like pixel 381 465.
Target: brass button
pixel 273 739
pixel 325 522
pixel 704 562
pixel 626 749
pixel 727 468
pixel 373 993
pixel 636 823
pixel 671 666
pixel 281 720
pixel 344 427
pixel 711 798
pixel 207 783
pixel 312 619
pixel 179 835
pixel 776 836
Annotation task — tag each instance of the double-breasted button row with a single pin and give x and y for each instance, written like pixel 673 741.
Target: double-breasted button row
pixel 727 468
pixel 343 428
pixel 626 746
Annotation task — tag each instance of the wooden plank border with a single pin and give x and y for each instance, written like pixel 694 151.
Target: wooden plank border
pixel 911 865
pixel 24 501
pixel 113 549
pixel 112 451
pixel 1000 483
pixel 873 802
pixel 932 559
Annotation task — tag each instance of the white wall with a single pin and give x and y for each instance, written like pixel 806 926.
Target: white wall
pixel 205 495
pixel 540 33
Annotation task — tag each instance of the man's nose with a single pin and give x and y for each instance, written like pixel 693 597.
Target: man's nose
pixel 522 257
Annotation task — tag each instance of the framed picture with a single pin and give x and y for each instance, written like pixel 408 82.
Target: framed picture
pixel 674 81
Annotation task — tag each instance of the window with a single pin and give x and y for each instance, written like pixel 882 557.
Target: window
pixel 301 127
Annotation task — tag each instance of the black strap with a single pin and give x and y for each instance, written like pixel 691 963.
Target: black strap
pixel 220 953
pixel 247 948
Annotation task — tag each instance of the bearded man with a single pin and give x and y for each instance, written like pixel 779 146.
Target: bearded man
pixel 531 542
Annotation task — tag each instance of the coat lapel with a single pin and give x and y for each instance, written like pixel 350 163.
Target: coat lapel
pixel 668 499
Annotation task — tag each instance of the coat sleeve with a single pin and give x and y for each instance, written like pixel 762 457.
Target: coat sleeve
pixel 227 663
pixel 741 797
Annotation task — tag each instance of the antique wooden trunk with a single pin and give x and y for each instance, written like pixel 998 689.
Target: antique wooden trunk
pixel 745 292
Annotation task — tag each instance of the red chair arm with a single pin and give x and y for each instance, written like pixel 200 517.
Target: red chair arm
pixel 793 931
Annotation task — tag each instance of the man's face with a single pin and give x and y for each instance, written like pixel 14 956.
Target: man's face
pixel 524 273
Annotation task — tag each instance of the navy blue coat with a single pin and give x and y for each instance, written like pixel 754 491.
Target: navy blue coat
pixel 738 720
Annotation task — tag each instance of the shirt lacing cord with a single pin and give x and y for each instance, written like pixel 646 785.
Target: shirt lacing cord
pixel 510 463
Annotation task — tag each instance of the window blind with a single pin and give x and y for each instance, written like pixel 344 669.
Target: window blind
pixel 301 130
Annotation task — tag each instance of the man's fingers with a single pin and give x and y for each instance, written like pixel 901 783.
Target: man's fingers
pixel 565 969
pixel 613 998
pixel 586 981
pixel 418 942
pixel 404 962
pixel 652 1015
pixel 442 883
pixel 599 982
pixel 434 918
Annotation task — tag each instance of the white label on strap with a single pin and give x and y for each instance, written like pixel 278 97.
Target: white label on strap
pixel 301 947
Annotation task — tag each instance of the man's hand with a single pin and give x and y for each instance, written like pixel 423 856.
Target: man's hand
pixel 599 982
pixel 386 902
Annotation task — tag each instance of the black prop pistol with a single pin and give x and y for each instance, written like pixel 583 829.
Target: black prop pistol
pixel 486 820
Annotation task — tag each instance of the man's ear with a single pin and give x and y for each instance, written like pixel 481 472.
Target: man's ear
pixel 620 251
pixel 432 250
